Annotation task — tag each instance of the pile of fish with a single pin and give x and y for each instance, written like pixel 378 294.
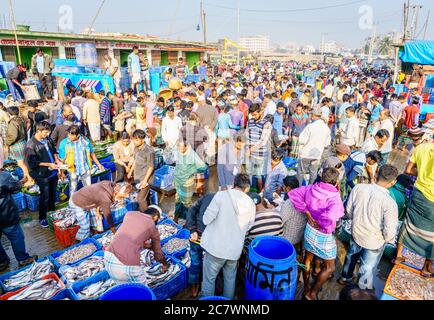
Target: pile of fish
pixel 109 149
pixel 176 244
pixel 167 230
pixel 118 204
pixel 147 258
pixel 40 290
pixel 156 277
pixel 95 170
pixel 413 259
pixel 95 290
pixel 106 239
pixel 408 285
pixel 75 254
pixel 186 259
pixel 66 218
pixel 85 269
pixel 35 272
pixel 133 196
pixel 34 189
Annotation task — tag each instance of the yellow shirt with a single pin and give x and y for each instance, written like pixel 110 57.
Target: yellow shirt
pixel 140 114
pixel 423 157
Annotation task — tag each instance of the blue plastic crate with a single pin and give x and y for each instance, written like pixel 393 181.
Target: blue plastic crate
pixel 78 286
pixel 20 201
pixel 111 166
pixel 6 276
pixel 386 296
pixel 64 294
pixel 163 177
pixel 182 234
pixel 85 241
pixel 62 268
pixel 169 221
pixel 106 176
pixel 174 285
pixel 106 159
pixel 117 215
pixel 289 162
pixel 32 201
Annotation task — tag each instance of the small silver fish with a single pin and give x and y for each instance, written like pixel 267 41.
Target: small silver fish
pixel 75 254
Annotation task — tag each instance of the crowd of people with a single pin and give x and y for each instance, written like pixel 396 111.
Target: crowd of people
pixel 340 130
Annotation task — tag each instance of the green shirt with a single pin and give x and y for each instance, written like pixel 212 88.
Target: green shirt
pixel 397 192
pixel 187 165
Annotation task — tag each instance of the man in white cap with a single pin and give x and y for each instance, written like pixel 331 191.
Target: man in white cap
pixel 312 142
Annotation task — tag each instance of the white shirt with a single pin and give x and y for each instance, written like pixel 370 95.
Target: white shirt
pixel 369 145
pixel 329 91
pixel 389 126
pixel 374 216
pixel 270 108
pixel 170 130
pixel 226 229
pixel 111 65
pixel 313 139
pixel 325 113
pixel 351 133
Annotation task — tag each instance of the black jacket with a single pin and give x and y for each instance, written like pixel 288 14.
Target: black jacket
pixel 195 214
pixel 35 154
pixel 8 210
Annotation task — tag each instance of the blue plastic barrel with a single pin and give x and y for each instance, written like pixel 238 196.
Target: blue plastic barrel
pixel 130 291
pixel 155 82
pixel 271 269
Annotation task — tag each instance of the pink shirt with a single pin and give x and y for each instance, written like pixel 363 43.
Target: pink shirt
pixel 149 114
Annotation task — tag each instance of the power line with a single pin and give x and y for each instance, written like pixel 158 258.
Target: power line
pixel 287 10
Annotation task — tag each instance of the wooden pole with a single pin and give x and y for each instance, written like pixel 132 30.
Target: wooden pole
pixel 14 25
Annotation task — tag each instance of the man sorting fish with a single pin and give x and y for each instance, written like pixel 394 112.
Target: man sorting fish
pixel 122 256
pixel 98 196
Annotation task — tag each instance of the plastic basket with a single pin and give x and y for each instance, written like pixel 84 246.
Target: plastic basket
pixel 182 234
pixel 32 201
pixel 49 276
pixel 78 286
pixel 64 294
pixel 111 166
pixel 129 291
pixel 20 201
pixel 289 162
pixel 65 237
pixel 174 285
pixel 105 175
pixel 117 216
pixel 57 254
pixel 395 268
pixel 169 221
pixel 61 271
pixel 163 177
pixel 106 158
pixel 414 266
pixel 10 274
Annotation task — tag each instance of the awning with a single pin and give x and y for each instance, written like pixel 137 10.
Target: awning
pixel 420 52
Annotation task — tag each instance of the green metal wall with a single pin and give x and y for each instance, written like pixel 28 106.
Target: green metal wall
pixel 164 58
pixel 191 58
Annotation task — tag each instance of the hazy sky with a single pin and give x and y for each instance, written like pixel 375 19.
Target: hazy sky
pixel 301 22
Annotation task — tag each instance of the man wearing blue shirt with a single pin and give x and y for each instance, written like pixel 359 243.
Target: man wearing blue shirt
pixel 134 68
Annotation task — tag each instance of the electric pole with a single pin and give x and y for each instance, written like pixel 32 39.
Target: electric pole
pixel 14 25
pixel 426 24
pixel 372 44
pixel 238 32
pixel 203 18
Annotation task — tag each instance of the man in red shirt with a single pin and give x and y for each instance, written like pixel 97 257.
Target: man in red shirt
pixel 378 91
pixel 411 114
pixel 244 108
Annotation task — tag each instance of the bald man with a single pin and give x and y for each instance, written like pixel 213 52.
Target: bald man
pixel 63 113
pixel 386 123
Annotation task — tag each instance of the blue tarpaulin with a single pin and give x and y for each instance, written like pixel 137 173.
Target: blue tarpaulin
pixel 420 52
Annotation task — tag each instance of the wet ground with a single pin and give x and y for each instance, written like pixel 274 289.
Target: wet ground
pixel 42 242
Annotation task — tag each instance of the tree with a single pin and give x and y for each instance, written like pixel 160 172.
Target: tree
pixel 384 45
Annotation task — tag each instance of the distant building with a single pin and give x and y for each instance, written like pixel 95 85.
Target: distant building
pixel 330 47
pixel 308 49
pixel 255 43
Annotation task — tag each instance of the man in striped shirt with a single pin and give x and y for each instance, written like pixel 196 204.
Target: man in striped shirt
pixel 268 221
